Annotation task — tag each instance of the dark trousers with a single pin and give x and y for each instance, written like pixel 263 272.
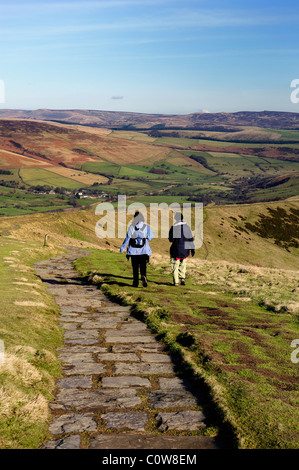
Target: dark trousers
pixel 138 264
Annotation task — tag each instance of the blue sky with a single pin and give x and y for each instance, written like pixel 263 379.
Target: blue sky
pixel 149 56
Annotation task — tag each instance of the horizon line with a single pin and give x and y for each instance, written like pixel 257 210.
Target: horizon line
pixel 150 113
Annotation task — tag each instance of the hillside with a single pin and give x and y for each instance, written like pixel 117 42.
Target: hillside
pixel 121 120
pixel 232 233
pixel 38 158
pixel 71 146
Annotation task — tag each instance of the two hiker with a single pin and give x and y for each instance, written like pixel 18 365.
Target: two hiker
pixel 138 236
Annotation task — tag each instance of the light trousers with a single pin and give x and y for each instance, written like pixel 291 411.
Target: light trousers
pixel 178 267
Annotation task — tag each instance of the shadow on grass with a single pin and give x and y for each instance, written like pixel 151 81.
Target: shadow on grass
pixel 111 279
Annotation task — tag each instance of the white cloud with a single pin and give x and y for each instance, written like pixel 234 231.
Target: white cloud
pixel 175 19
pixel 17 8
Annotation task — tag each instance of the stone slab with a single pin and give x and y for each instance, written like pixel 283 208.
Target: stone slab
pixel 75 382
pixel 128 332
pixel 119 338
pixel 98 399
pixel 81 341
pixel 134 420
pixel 143 368
pixel 72 309
pixel 118 357
pixel 70 442
pixel 152 357
pixel 145 347
pixel 102 323
pixel 75 358
pixel 76 348
pixel 73 422
pixel 134 327
pixel 72 318
pixel 171 399
pixel 185 420
pixel 116 308
pixel 85 368
pixel 125 381
pixel 81 334
pixel 169 383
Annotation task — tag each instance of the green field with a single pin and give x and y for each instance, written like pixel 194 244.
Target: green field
pixel 37 176
pixel 18 202
pixel 215 176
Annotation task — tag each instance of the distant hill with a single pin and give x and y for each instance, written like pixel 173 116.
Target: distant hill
pixel 128 120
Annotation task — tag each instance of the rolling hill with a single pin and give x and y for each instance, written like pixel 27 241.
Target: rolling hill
pixel 220 166
pixel 121 120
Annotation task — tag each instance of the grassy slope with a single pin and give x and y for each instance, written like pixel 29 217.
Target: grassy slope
pixel 236 281
pixel 30 334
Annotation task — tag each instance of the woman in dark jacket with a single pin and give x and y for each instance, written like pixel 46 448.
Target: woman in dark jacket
pixel 182 245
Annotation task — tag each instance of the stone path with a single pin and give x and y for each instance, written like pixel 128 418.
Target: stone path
pixel 119 389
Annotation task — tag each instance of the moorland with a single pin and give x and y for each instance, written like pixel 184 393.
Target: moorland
pixel 211 162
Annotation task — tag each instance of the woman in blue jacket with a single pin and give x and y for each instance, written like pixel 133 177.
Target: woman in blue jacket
pixel 138 236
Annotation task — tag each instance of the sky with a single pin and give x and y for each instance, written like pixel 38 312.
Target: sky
pixel 149 56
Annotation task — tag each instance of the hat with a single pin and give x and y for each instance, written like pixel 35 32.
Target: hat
pixel 178 216
pixel 138 217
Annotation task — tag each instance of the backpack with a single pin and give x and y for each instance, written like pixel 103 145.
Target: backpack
pixel 138 239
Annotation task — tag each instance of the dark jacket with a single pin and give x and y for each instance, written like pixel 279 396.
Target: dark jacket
pixel 181 239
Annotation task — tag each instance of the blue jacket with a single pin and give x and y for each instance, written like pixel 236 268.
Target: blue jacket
pixel 144 250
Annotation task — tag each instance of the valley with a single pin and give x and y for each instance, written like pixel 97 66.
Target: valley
pixel 250 164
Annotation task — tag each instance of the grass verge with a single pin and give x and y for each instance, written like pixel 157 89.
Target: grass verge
pixel 29 336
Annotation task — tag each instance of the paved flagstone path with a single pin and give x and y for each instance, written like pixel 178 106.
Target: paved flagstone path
pixel 119 388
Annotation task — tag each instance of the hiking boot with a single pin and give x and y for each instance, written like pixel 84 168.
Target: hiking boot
pixel 183 282
pixel 144 281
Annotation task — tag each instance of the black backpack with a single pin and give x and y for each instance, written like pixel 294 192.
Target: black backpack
pixel 138 239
